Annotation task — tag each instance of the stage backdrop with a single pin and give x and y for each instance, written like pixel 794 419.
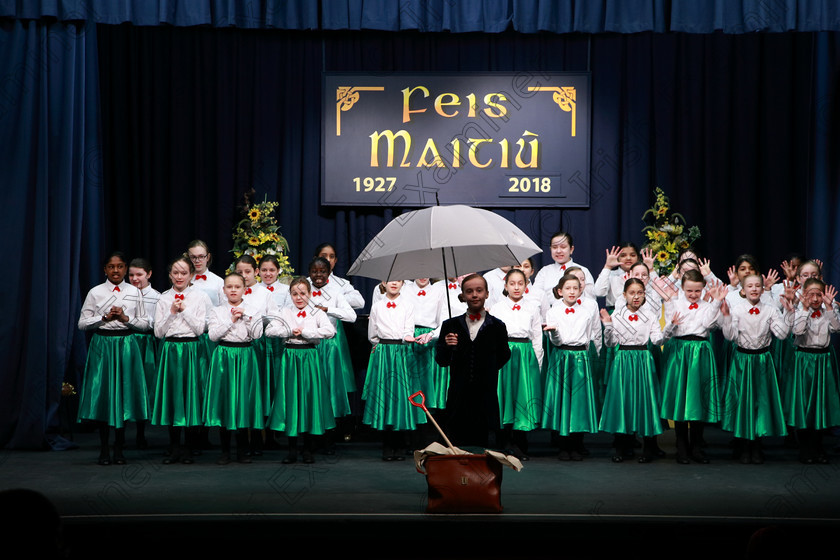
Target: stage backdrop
pixel 144 138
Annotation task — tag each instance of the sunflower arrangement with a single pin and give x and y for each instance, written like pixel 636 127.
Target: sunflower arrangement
pixel 257 234
pixel 667 233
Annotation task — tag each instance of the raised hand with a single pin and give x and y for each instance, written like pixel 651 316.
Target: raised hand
pixel 665 288
pixel 647 258
pixel 788 270
pixel 786 304
pixel 828 296
pixel 724 307
pixel 606 319
pixel 677 319
pixel 705 268
pixel 612 257
pixel 770 278
pixel 733 276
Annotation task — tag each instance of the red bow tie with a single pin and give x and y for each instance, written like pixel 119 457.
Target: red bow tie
pixel 579 302
pixel 526 290
pixel 754 311
pixel 316 293
pixel 475 317
pixel 232 309
pixel 453 286
pixel 248 291
pixel 562 267
pixel 301 314
pixel 625 277
pixel 633 317
pixel 693 306
pixel 270 288
pixel 816 314
pixel 421 293
pixel 179 296
pixel 201 277
pixel 569 310
pixel 116 289
pixel 516 308
pixel 390 305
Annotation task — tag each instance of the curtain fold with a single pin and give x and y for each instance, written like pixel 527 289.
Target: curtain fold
pixel 49 157
pixel 457 16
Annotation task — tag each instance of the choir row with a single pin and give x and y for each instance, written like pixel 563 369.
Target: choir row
pixel 241 354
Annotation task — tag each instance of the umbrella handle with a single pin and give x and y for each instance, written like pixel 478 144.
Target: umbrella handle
pixel 422 404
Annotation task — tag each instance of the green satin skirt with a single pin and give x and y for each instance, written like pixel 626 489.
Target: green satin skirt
pixel 434 378
pixel 388 385
pixel 338 368
pixel 691 388
pixel 520 388
pixel 234 396
pixel 752 401
pixel 149 351
pixel 633 401
pixel 570 403
pixel 179 391
pixel 301 403
pixel 114 383
pixel 811 397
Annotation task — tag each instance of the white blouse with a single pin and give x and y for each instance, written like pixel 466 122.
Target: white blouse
pixel 187 323
pixel 577 325
pixel 212 285
pixel 99 301
pixel 697 319
pixel 754 326
pixel 635 328
pixel 391 319
pixel 523 320
pixel 221 326
pixel 313 326
pixel 811 330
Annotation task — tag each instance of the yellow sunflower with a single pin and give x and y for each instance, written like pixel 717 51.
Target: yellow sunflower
pixel 254 214
pixel 254 241
pixel 662 256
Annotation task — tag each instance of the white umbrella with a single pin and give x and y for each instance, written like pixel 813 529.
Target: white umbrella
pixel 441 242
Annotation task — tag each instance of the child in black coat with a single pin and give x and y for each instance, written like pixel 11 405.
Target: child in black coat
pixel 474 346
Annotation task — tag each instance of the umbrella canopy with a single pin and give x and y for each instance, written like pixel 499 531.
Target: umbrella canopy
pixel 443 241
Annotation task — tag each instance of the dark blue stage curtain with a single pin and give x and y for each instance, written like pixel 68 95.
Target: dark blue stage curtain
pixel 49 161
pixel 727 125
pixel 458 16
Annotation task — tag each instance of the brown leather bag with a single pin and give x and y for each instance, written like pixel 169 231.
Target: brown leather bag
pixel 463 484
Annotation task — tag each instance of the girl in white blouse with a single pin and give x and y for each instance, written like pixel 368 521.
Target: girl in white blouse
pixel 114 383
pixel 389 380
pixel 234 398
pixel 301 405
pixel 752 401
pixel 180 318
pixel 520 384
pixel 570 403
pixel 812 395
pixel 633 399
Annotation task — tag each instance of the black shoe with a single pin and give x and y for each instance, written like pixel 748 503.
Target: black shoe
pixel 576 455
pixel 564 455
pixel 646 459
pixel 290 458
pixel 104 458
pixel 224 459
pixel 173 457
pixel 308 458
pixel 617 459
pixel 698 456
pixel 119 458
